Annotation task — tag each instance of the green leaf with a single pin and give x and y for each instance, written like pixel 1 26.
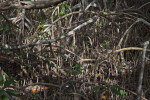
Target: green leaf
pixel 122 92
pixel 15 80
pixel 7 83
pixel 12 92
pixel 74 72
pixel 66 18
pixel 42 37
pixel 3 97
pixel 62 13
pixel 10 81
pixel 115 89
pixel 68 7
pixel 6 75
pixel 107 42
pixel 1 92
pixel 31 37
pixel 1 79
pixel 77 67
pixel 97 88
pixel 40 32
pixel 63 7
pixel 7 50
pixel 105 13
pixel 52 64
pixel 36 95
pixel 41 26
pixel 56 13
pixel 71 47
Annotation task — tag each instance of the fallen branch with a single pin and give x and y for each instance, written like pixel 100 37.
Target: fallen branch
pixel 28 4
pixel 45 84
pixel 129 48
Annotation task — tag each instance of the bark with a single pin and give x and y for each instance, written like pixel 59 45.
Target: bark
pixel 28 4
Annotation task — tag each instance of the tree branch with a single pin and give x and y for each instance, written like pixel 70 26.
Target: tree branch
pixel 28 4
pixel 142 71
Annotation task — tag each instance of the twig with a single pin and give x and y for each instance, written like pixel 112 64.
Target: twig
pixel 142 71
pixel 66 16
pixel 126 32
pixel 91 4
pixel 7 19
pixel 128 48
pixel 116 51
pixel 143 98
pixel 105 6
pixel 45 84
pixel 144 5
pixel 129 29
